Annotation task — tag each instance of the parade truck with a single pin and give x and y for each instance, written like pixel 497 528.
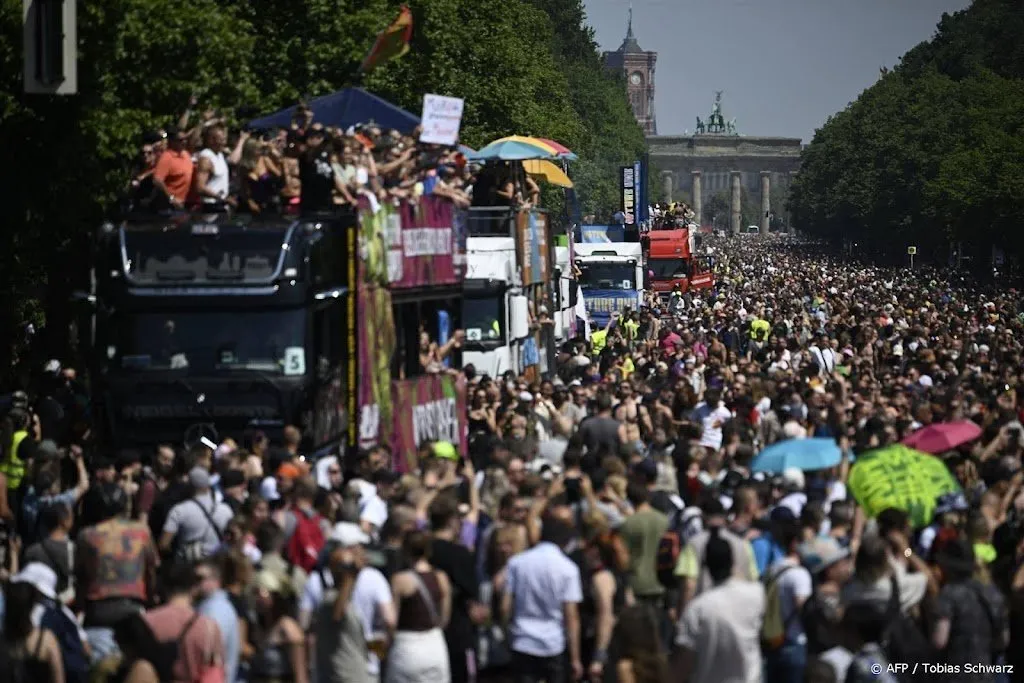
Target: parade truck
pixel 673 260
pixel 206 326
pixel 510 256
pixel 611 278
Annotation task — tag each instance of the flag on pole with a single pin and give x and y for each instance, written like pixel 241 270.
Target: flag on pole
pixel 391 43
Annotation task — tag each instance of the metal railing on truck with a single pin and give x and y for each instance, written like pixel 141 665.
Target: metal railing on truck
pixel 494 221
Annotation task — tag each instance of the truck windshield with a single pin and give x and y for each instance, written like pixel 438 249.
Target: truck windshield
pixel 608 276
pixel 211 341
pixel 482 318
pixel 664 269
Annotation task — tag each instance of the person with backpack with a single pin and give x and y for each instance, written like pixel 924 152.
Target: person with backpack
pixel 691 569
pixel 717 638
pixel 195 527
pixel 191 647
pixel 971 621
pixel 302 526
pixel 788 585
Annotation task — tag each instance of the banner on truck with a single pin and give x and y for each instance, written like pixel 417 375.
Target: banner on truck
pixel 375 344
pixel 421 249
pixel 628 204
pixel 601 303
pixel 429 408
pixel 532 245
pixel 441 120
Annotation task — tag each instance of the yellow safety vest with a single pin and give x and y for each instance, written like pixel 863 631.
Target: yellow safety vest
pixel 12 466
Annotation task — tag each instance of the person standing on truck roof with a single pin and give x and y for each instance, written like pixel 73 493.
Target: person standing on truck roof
pixel 213 174
pixel 173 173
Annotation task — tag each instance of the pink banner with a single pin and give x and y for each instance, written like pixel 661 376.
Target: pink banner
pixel 422 245
pixel 429 408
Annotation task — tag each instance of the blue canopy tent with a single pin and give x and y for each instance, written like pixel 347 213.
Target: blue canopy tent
pixel 345 108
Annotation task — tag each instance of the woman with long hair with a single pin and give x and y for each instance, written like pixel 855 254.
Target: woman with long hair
pixel 280 652
pixel 604 589
pixel 30 651
pixel 138 648
pixel 641 657
pixel 419 653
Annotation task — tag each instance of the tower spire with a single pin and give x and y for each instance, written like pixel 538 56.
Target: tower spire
pixel 629 27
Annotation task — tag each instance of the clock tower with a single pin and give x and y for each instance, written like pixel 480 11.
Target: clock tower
pixel 638 67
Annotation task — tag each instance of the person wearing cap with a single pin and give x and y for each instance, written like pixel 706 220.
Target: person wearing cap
pixel 195 527
pixel 341 651
pixel 830 567
pixel 371 596
pixel 971 617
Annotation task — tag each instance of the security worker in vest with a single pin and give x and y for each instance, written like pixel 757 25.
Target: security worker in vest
pixel 15 447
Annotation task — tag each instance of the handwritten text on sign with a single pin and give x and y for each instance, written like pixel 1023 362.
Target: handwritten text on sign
pixel 442 117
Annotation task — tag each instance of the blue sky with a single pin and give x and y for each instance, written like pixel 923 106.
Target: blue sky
pixel 784 65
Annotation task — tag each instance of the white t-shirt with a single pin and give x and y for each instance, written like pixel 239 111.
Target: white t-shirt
pixel 794 585
pixel 711 420
pixel 722 627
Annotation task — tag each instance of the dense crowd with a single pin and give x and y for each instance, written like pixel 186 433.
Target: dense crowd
pixel 308 167
pixel 609 524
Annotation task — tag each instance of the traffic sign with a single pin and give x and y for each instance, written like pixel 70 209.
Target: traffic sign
pixel 911 250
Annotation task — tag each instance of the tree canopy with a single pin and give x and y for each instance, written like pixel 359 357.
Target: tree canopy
pixel 933 153
pixel 523 66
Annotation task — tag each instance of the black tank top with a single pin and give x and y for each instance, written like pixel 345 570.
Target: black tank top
pixel 413 612
pixel 317 178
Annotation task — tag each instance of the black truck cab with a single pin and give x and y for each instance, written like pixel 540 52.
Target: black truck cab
pixel 214 326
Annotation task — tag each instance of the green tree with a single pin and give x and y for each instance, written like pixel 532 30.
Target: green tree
pixel 931 153
pixel 139 60
pixel 523 66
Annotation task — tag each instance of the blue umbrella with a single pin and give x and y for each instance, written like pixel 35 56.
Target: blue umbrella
pixel 803 454
pixel 511 150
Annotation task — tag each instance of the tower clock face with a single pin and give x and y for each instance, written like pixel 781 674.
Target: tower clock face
pixel 635 78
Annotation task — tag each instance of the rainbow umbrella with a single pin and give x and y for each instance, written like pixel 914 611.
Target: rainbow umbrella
pixel 514 148
pixel 563 151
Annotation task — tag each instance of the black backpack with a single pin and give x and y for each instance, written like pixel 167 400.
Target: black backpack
pixel 903 639
pixel 169 650
pixel 65 630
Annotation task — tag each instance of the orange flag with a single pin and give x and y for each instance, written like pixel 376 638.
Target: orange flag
pixel 391 43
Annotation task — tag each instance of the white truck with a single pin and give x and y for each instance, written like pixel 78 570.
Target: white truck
pixel 612 278
pixel 495 313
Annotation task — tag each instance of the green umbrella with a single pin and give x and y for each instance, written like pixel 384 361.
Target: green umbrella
pixel 900 477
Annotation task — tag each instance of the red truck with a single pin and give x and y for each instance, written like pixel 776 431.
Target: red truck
pixel 671 261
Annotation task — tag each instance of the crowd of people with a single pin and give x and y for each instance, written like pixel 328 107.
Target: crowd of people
pixel 607 524
pixel 307 167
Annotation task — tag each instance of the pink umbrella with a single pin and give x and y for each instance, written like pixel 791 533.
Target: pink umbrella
pixel 944 436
